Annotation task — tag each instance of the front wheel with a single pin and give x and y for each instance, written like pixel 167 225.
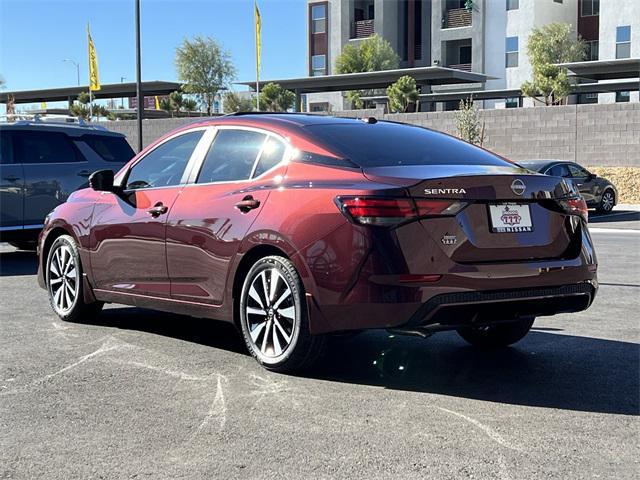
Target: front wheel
pixel 274 317
pixel 64 282
pixel 607 202
pixel 496 336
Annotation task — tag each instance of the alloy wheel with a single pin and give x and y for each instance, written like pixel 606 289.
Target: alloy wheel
pixel 63 279
pixel 607 201
pixel 270 313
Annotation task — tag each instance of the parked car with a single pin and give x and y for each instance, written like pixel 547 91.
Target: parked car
pixel 598 192
pixel 41 163
pixel 296 226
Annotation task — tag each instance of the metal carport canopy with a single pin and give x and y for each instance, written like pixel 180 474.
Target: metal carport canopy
pixel 373 80
pixel 605 69
pixel 113 90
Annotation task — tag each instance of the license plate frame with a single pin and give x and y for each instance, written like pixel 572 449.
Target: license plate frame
pixel 510 217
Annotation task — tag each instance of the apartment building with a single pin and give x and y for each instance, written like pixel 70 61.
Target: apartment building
pixel 484 36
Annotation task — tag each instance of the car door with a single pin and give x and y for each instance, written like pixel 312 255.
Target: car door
pixel 584 181
pixel 11 186
pixel 214 212
pixel 128 252
pixel 53 169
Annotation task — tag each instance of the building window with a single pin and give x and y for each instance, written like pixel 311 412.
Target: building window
pixel 319 107
pixel 623 42
pixel 511 52
pixel 318 65
pixel 513 4
pixel 622 97
pixel 512 102
pixel 592 49
pixel 587 98
pixel 589 8
pixel 318 18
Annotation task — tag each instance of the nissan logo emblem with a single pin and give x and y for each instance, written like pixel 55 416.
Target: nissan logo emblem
pixel 518 187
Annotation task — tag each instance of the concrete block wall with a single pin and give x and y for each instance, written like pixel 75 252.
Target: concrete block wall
pixel 592 135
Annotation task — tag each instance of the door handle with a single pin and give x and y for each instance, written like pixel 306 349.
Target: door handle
pixel 157 210
pixel 11 178
pixel 247 203
pixel 84 173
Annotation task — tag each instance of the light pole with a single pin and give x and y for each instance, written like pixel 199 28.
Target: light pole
pixel 77 65
pixel 122 79
pixel 138 77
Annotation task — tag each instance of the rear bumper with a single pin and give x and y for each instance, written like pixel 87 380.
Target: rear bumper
pixel 454 310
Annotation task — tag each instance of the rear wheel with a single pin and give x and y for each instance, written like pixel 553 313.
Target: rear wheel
pixel 607 202
pixel 496 336
pixel 274 317
pixel 64 282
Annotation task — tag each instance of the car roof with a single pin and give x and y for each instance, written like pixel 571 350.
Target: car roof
pixel 72 129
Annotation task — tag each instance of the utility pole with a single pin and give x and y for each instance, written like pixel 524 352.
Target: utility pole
pixel 77 65
pixel 138 77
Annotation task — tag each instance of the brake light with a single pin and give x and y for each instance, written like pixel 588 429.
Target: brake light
pixel 392 211
pixel 576 206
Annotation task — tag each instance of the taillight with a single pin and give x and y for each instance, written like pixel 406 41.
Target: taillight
pixel 576 206
pixel 392 211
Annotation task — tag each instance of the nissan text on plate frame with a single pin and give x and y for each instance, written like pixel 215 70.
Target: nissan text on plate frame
pixel 295 227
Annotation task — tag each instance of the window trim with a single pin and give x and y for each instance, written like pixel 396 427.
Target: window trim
pixel 121 179
pixel 286 157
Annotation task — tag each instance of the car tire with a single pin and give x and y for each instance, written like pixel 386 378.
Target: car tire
pixel 496 336
pixel 607 202
pixel 29 246
pixel 274 318
pixel 63 274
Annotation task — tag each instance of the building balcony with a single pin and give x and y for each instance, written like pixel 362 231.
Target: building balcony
pixel 362 29
pixel 461 66
pixel 456 18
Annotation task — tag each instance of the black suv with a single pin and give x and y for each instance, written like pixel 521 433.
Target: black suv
pixel 598 192
pixel 41 163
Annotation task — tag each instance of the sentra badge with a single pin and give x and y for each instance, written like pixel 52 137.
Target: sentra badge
pixel 444 191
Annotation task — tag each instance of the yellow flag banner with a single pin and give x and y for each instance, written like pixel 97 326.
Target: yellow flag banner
pixel 258 39
pixel 94 78
pixel 157 103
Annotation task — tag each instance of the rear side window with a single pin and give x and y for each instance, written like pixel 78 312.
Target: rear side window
pixel 44 147
pixel 271 154
pixel 559 171
pixel 231 156
pixel 388 144
pixel 110 149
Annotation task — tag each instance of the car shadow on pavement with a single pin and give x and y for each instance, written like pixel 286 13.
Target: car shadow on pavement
pixel 614 216
pixel 544 370
pixel 18 262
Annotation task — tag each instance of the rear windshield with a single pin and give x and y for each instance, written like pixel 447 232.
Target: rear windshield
pixel 386 144
pixel 111 149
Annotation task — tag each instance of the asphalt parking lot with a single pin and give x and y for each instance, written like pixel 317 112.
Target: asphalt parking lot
pixel 140 394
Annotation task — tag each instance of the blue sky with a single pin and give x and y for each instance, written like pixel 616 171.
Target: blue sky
pixel 36 35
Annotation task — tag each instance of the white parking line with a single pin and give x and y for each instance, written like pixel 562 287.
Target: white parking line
pixel 613 230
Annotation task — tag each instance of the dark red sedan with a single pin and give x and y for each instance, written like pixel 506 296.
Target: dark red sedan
pixel 297 226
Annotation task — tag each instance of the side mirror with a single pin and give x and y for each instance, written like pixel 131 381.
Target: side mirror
pixel 592 176
pixel 102 181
